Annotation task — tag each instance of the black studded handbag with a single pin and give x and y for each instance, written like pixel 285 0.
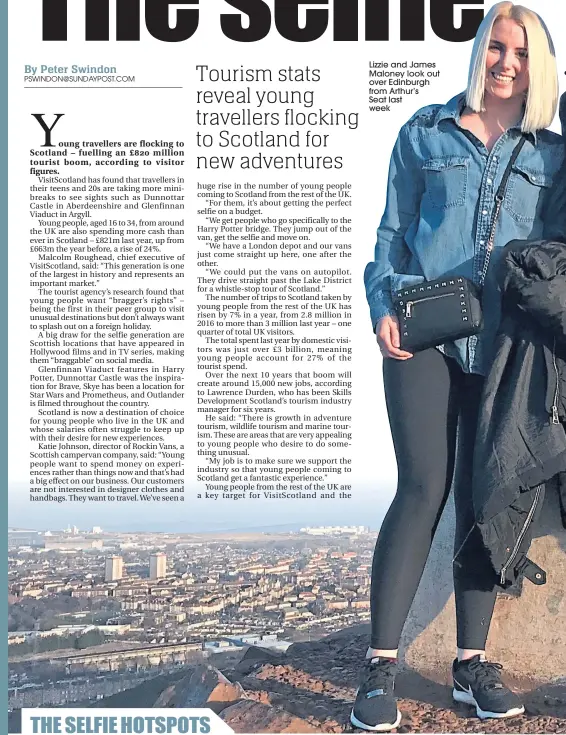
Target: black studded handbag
pixel 447 308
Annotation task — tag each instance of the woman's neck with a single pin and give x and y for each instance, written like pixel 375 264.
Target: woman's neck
pixel 502 114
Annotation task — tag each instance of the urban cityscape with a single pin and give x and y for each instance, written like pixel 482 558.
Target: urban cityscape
pixel 94 613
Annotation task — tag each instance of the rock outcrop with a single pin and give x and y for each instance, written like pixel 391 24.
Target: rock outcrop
pixel 317 682
pixel 204 686
pixel 311 687
pixel 249 716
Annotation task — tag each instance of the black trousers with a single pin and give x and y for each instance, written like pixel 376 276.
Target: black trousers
pixel 428 398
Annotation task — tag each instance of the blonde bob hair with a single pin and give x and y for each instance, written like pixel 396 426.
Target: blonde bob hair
pixel 542 94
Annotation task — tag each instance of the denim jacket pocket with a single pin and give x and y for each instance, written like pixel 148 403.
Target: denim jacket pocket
pixel 446 181
pixel 526 192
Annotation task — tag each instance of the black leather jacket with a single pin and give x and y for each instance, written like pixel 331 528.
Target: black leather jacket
pixel 521 439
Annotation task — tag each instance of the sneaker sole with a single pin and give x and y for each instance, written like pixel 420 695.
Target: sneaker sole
pixel 468 698
pixel 383 727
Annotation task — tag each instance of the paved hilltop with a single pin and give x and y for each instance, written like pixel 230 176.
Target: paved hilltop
pixel 310 688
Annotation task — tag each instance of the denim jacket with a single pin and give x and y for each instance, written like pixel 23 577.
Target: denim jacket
pixel 439 210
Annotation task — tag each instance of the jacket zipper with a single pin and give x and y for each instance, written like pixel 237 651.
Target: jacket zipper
pixel 409 305
pixel 515 551
pixel 555 417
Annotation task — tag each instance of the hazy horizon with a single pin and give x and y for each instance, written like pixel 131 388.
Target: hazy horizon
pixel 366 508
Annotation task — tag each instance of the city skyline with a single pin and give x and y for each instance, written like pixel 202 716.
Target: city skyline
pixel 298 528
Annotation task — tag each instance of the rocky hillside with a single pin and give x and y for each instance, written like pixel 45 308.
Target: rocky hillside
pixel 311 688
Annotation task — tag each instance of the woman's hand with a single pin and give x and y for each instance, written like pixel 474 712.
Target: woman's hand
pixel 387 333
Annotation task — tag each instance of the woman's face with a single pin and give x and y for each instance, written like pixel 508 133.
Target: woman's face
pixel 507 65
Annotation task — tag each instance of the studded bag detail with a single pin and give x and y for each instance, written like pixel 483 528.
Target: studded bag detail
pixel 447 308
pixel 438 311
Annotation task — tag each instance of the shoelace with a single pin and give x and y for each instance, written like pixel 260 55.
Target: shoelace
pixel 487 673
pixel 380 674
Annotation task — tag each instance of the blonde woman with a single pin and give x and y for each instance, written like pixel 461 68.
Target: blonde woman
pixel 446 167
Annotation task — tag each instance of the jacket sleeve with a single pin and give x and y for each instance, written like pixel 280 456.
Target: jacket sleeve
pixel 533 278
pixel 404 191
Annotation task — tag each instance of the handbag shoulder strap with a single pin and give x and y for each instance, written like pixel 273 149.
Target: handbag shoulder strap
pixel 499 197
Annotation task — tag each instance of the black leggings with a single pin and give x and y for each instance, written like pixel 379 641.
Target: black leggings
pixel 428 396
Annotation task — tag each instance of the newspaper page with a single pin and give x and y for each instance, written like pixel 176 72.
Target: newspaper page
pixel 200 456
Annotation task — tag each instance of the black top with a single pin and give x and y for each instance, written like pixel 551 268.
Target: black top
pixel 555 226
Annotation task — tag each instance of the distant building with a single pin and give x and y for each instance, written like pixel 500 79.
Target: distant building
pixel 96 529
pixel 114 568
pixel 158 566
pixel 90 592
pixel 34 539
pixel 72 543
